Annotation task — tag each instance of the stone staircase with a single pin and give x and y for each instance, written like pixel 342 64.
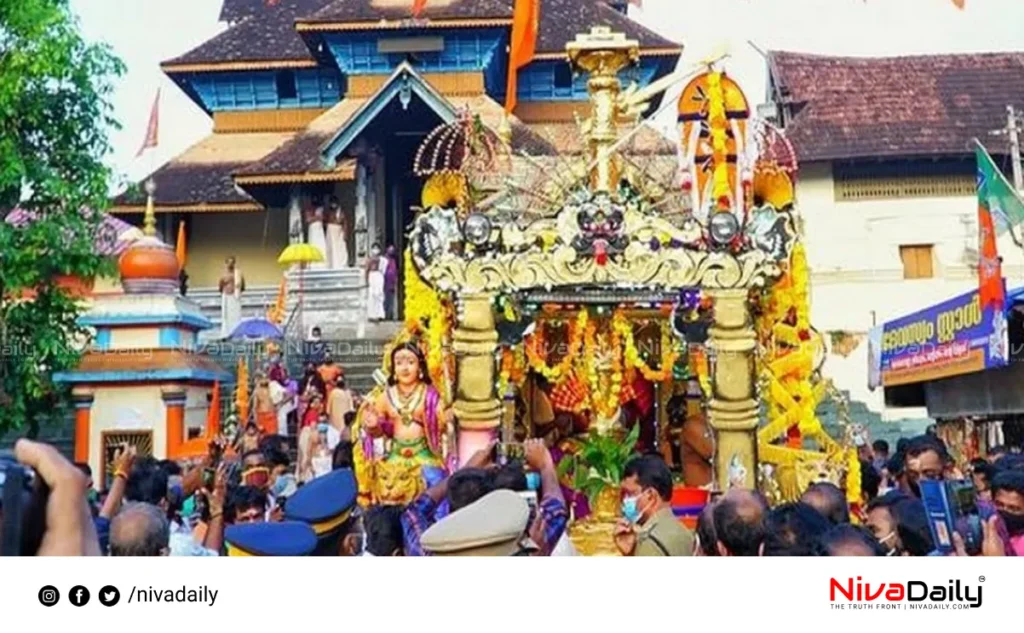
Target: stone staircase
pixel 878 428
pixel 335 300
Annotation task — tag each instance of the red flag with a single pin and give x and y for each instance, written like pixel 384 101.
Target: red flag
pixel 525 26
pixel 417 7
pixel 990 269
pixel 153 129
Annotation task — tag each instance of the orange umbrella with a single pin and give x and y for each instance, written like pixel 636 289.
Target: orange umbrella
pixel 179 246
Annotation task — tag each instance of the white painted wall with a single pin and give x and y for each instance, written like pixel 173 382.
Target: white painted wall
pixel 856 272
pixel 127 409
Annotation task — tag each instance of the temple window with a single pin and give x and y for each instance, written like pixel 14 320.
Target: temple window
pixel 286 88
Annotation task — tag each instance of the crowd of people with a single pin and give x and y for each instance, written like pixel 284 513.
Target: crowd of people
pixel 256 497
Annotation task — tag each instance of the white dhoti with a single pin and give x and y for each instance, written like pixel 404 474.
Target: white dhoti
pixel 230 312
pixel 337 249
pixel 318 238
pixel 375 296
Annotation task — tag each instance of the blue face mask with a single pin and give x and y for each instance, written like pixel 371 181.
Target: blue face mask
pixel 631 509
pixel 281 484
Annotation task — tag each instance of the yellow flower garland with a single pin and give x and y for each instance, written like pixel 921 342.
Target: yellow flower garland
pixel 669 354
pixel 719 125
pixel 538 363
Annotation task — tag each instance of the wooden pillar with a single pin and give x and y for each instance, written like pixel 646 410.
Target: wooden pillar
pixel 82 399
pixel 476 405
pixel 174 400
pixel 733 409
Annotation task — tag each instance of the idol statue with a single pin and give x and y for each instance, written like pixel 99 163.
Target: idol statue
pixel 402 431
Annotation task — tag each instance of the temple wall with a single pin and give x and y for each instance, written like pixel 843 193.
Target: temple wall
pixel 134 338
pixel 857 276
pixel 128 408
pixel 254 238
pixel 196 407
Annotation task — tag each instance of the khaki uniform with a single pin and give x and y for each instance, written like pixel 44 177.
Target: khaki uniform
pixel 664 535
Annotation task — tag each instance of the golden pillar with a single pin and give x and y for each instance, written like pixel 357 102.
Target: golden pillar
pixel 475 341
pixel 733 409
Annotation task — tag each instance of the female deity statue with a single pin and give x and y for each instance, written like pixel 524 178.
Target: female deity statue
pixel 407 419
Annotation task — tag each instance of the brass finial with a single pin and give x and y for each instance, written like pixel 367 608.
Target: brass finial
pixel 149 221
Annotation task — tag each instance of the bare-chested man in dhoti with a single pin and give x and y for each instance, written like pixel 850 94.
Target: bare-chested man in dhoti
pixel 232 285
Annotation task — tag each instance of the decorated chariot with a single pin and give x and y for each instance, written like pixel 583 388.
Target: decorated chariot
pixel 603 301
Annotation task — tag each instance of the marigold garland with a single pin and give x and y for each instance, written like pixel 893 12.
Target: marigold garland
pixel 669 353
pixel 718 124
pixel 536 348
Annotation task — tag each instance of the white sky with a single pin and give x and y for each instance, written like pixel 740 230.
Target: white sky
pixel 146 32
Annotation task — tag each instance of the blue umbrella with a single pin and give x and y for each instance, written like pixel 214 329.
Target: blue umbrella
pixel 256 329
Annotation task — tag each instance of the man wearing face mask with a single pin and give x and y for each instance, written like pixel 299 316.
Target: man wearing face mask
pixel 648 526
pixel 1008 494
pixel 927 460
pixel 900 524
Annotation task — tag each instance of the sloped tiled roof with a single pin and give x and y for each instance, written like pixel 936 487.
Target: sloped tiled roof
pixel 260 36
pixel 268 33
pixel 301 153
pixel 562 20
pixel 201 177
pixel 142 362
pixel 929 105
pixel 357 11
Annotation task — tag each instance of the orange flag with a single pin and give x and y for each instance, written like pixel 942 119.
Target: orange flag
pixel 990 267
pixel 242 392
pixel 153 129
pixel 525 26
pixel 417 7
pixel 959 3
pixel 213 415
pixel 179 246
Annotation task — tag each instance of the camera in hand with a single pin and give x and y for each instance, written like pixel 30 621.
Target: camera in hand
pixel 23 498
pixel 952 507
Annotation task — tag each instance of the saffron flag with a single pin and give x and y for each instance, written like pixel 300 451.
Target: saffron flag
pixel 417 7
pixel 153 129
pixel 995 198
pixel 525 26
pixel 179 246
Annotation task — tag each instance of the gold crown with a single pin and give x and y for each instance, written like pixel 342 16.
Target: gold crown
pixel 412 334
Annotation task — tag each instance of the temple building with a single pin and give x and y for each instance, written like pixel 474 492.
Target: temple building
pixel 314 99
pixel 887 186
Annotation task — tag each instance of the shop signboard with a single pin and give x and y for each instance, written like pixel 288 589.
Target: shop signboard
pixel 955 337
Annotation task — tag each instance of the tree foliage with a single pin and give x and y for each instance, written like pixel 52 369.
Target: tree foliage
pixel 55 114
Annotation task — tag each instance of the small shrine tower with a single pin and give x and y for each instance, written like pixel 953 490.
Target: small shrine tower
pixel 143 382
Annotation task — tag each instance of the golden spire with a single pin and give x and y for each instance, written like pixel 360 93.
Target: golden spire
pixel 603 54
pixel 149 221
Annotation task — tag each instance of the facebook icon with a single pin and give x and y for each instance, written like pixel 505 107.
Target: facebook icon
pixel 79 596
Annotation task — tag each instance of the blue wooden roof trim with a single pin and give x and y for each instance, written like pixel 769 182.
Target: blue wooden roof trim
pixel 190 321
pixel 404 76
pixel 463 50
pixel 157 375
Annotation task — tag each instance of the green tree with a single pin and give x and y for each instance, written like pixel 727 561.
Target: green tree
pixel 55 114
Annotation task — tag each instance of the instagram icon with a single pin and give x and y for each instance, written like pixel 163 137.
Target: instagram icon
pixel 49 596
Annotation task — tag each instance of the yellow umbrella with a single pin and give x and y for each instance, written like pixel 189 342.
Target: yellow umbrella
pixel 300 254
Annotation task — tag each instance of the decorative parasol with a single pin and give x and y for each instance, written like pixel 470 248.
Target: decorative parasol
pixel 301 254
pixel 256 329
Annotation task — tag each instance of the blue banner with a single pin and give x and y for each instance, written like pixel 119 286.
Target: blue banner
pixel 952 338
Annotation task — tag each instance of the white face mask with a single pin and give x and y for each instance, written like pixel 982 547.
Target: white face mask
pixel 882 541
